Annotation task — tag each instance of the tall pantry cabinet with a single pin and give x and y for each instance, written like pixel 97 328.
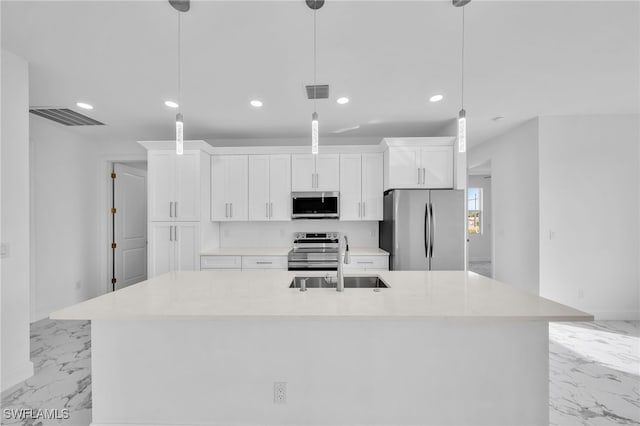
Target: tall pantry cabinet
pixel 177 186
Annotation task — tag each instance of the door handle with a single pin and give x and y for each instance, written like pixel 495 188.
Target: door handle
pixel 432 232
pixel 427 236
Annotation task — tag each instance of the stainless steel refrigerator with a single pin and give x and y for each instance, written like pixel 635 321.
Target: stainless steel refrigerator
pixel 423 229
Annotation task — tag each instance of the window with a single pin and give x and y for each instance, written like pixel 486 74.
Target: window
pixel 474 210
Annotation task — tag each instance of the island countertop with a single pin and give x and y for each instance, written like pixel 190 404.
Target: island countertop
pixel 265 294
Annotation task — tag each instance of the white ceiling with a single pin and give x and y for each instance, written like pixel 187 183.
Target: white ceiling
pixel 523 59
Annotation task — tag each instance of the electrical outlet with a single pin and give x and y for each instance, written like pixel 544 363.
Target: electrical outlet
pixel 279 392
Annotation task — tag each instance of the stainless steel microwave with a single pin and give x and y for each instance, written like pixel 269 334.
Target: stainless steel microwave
pixel 315 205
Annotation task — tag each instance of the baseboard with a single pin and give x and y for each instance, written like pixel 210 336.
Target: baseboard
pixel 479 259
pixel 617 316
pixel 15 376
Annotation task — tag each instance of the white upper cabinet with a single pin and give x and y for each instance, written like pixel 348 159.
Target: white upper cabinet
pixel 270 187
pixel 229 187
pixel 351 187
pixel 174 186
pixel 372 188
pixel 315 172
pixel 173 246
pixel 418 167
pixel 361 194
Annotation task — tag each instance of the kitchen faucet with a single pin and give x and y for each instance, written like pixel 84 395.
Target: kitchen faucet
pixel 347 260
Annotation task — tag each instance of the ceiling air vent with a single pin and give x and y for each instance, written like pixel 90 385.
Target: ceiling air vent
pixel 319 91
pixel 65 116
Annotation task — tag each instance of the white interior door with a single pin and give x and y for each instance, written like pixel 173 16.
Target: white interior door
pixel 130 225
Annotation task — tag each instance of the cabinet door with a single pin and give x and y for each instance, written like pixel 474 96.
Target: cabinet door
pixel 280 187
pixel 303 170
pixel 372 191
pixel 351 187
pixel 259 187
pixel 161 185
pixel 237 186
pixel 327 172
pixel 437 162
pixel 187 194
pixel 404 167
pixel 160 249
pixel 219 210
pixel 187 246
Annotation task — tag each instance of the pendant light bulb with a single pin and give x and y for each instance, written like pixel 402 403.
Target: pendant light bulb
pixel 314 133
pixel 179 134
pixel 462 131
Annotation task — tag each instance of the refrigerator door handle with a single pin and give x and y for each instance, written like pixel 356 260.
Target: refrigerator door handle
pixel 427 233
pixel 432 228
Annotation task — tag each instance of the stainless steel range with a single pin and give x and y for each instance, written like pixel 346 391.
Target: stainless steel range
pixel 314 251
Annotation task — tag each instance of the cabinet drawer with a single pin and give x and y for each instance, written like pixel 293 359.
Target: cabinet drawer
pixel 264 262
pixel 369 262
pixel 220 262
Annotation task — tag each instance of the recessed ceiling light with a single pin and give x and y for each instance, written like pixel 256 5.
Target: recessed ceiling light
pixel 171 104
pixel 84 105
pixel 436 98
pixel 256 103
pixel 343 100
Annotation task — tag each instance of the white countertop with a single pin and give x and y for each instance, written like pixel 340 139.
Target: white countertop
pixel 259 294
pixel 282 251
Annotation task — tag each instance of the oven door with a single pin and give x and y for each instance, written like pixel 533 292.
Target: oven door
pixel 313 260
pixel 315 205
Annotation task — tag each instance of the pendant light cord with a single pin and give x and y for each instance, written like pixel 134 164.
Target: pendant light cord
pixel 315 60
pixel 462 94
pixel 179 61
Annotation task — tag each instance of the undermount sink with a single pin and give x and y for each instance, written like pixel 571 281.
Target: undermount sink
pixel 349 282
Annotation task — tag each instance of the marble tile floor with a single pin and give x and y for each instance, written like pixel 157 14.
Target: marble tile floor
pixel 482 268
pixel 594 374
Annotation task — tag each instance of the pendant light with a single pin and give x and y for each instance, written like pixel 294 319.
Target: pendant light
pixel 462 115
pixel 314 5
pixel 181 6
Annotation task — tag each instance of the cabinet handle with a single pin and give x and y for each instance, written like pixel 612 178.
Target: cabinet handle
pixel 266 209
pixel 364 263
pixel 226 209
pixel 170 208
pixel 230 209
pixel 364 209
pixel 175 209
pixel 270 209
pixel 424 175
pixel 175 233
pixel 317 180
pixel 313 180
pixel 171 233
pixel 264 263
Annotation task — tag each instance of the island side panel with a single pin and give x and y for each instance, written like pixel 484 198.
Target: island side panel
pixel 338 371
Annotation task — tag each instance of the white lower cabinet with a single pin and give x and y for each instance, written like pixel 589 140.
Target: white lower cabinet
pixel 220 262
pixel 173 246
pixel 245 263
pixel 367 263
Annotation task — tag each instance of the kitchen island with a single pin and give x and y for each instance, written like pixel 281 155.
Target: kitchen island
pixel 435 347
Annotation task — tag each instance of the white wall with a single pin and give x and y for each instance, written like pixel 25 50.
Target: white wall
pixel 280 234
pixel 480 244
pixel 589 213
pixel 16 365
pixel 70 174
pixel 515 220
